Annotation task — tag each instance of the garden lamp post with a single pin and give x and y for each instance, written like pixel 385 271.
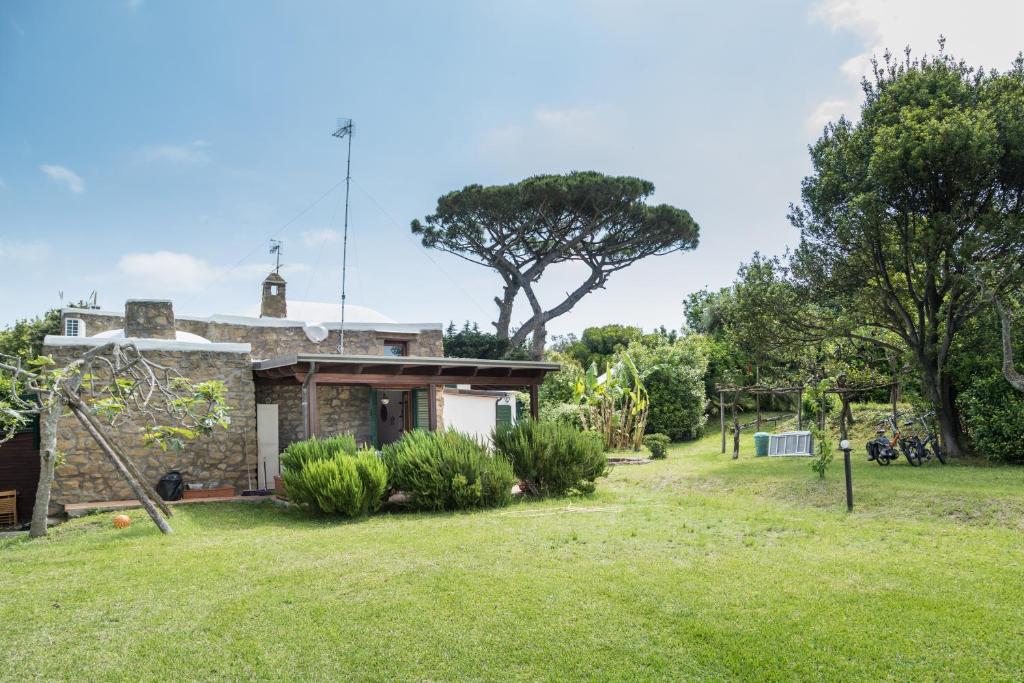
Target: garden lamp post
pixel 844 445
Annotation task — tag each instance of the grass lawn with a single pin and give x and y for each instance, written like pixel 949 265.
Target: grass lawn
pixel 697 567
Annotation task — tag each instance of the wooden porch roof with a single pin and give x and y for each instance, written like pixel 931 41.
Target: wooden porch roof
pixel 402 370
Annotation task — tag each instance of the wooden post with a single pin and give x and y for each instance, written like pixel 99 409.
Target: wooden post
pixel 757 397
pixel 800 411
pixel 721 411
pixel 735 431
pixel 534 402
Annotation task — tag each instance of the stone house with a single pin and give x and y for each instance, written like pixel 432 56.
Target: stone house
pixel 286 380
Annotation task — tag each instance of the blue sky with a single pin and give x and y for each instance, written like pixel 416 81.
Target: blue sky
pixel 153 148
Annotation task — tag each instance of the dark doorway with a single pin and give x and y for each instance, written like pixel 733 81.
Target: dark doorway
pixel 392 414
pixel 19 471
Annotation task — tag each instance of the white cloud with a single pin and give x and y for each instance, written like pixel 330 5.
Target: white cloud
pixel 27 252
pixel 982 32
pixel 63 174
pixel 312 238
pixel 3 185
pixel 192 153
pixel 170 272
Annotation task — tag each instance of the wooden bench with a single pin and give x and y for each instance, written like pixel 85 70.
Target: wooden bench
pixel 8 508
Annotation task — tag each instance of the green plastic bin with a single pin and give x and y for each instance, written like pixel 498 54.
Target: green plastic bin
pixel 761 443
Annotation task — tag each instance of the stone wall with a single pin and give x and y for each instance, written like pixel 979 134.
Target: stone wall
pixel 344 409
pixel 226 457
pixel 94 322
pixel 340 410
pixel 273 341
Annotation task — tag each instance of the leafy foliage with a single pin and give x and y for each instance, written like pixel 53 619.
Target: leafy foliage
pixel 906 208
pixel 24 339
pixel 330 476
pixel 615 403
pixel 673 375
pixel 446 470
pixel 658 445
pixel 560 387
pixel 299 453
pixel 563 413
pixel 551 458
pixel 471 342
pixel 992 411
pixel 600 222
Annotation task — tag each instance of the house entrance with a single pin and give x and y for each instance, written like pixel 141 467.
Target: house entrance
pixel 393 415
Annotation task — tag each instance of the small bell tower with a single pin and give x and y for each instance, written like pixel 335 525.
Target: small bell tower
pixel 274 304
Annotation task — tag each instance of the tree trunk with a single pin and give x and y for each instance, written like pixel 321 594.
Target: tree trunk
pixel 540 335
pixel 505 304
pixel 1015 378
pixel 48 420
pixel 940 392
pixel 137 489
pixel 126 462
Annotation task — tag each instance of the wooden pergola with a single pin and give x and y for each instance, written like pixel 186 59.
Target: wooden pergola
pixel 757 390
pixel 399 372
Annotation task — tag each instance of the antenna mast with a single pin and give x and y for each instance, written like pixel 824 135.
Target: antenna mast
pixel 344 129
pixel 275 249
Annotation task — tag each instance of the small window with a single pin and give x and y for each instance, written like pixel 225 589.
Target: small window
pixel 273 290
pixel 74 327
pixel 395 348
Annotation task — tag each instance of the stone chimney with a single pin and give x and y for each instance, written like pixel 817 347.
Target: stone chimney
pixel 274 304
pixel 149 318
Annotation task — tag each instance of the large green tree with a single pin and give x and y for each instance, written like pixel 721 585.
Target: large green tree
pixel 903 205
pixel 521 229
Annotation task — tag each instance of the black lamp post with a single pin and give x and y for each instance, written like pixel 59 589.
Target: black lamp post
pixel 844 445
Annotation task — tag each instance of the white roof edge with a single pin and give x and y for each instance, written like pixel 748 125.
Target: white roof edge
pixel 149 344
pixel 409 328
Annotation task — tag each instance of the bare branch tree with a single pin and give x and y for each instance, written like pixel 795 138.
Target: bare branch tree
pixel 104 388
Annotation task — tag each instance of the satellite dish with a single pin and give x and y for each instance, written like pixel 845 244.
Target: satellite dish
pixel 315 333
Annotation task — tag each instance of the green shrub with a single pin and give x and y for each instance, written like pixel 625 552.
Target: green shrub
pixel 447 470
pixel 673 375
pixel 657 444
pixel 551 458
pixel 330 476
pixel 563 413
pixel 297 455
pixel 993 414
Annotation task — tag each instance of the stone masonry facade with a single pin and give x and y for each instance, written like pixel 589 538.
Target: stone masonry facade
pixel 273 341
pixel 226 457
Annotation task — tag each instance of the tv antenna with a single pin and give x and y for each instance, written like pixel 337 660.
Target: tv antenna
pixel 275 249
pixel 344 130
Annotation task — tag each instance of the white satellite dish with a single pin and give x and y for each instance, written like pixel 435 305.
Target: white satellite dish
pixel 315 333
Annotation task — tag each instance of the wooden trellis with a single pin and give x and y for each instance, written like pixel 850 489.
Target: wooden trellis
pixel 756 390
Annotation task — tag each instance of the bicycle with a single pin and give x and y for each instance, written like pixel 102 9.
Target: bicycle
pixel 881 449
pixel 921 450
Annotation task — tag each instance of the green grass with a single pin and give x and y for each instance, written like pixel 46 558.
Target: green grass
pixel 695 567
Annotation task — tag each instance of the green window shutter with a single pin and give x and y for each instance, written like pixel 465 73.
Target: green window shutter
pixel 420 409
pixel 373 417
pixel 502 415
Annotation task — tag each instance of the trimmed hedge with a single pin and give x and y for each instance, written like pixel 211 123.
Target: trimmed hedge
pixel 330 476
pixel 658 445
pixel 552 458
pixel 446 470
